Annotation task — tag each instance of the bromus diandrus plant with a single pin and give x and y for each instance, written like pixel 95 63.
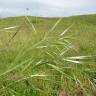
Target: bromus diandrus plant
pixel 38 63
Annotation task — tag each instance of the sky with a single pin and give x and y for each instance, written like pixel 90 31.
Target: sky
pixel 47 8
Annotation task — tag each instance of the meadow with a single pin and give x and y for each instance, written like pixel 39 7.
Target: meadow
pixel 48 56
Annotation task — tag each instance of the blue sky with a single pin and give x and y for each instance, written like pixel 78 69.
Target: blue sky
pixel 46 8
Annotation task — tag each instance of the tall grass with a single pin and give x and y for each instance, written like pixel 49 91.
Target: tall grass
pixel 38 63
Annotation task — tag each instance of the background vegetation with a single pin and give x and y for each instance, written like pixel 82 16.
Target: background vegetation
pixel 48 56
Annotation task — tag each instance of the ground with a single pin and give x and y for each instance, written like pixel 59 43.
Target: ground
pixel 48 56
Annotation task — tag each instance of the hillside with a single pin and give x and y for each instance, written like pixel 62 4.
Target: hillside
pixel 39 57
pixel 83 30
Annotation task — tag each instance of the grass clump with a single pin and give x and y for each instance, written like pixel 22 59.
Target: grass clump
pixel 38 62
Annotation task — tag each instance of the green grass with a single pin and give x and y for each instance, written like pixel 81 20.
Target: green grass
pixel 48 56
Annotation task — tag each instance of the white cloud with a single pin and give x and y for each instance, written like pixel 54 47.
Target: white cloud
pixel 48 7
pixel 67 3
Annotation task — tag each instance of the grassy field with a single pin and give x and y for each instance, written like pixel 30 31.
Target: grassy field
pixel 48 56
